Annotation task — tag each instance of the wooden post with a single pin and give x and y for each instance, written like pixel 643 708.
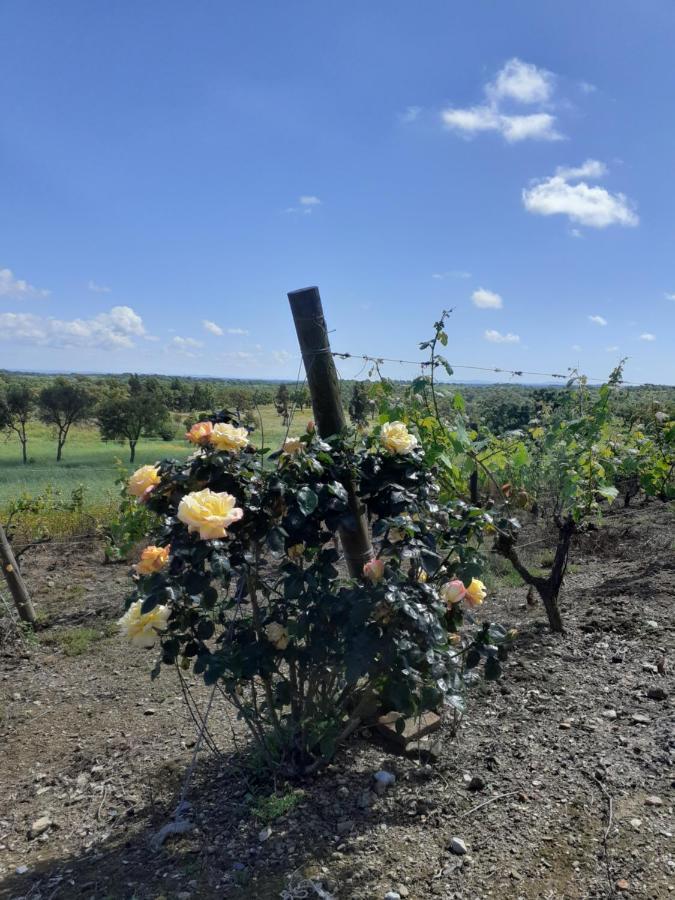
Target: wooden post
pixel 15 582
pixel 329 417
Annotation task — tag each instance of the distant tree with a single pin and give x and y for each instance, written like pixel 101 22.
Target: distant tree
pixel 64 403
pixel 359 407
pixel 140 414
pixel 201 397
pixel 16 406
pixel 301 398
pixel 281 402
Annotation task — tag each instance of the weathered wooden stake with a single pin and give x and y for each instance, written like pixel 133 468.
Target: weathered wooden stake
pixel 329 417
pixel 15 582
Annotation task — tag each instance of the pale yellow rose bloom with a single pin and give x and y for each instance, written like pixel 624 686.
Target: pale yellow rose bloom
pixel 141 629
pixel 143 479
pixel 227 437
pixel 276 634
pixel 152 560
pixel 396 438
pixel 475 593
pixel 293 445
pixel 208 512
pixel 200 433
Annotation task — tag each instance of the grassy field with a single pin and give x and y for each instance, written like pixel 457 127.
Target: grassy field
pixel 92 463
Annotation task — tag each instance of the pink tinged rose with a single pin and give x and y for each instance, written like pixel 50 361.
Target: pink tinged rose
pixel 200 433
pixel 374 570
pixel 452 592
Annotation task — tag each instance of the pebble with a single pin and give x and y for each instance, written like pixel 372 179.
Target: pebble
pixel 383 780
pixel 636 823
pixel 457 846
pixel 653 800
pixel 622 885
pixel 392 895
pixel 40 826
pixel 265 834
pixel 652 623
pixel 609 714
pixel 149 711
pixel 639 719
pixel 21 870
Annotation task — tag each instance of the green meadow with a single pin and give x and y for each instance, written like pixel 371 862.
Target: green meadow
pixel 93 464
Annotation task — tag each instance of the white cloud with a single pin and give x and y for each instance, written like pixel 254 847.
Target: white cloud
pixel 587 205
pixel 587 88
pixel 612 349
pixel 576 347
pixel 454 273
pixel 183 346
pixel 486 299
pixel 17 287
pixel 309 200
pixel 281 356
pixel 212 327
pixel 670 296
pixel 591 168
pixel 113 330
pixel 410 114
pixel 237 331
pixel 495 337
pixel 307 204
pixel 598 320
pixel 98 288
pixel 522 82
pixel 518 82
pixel 647 336
pixel 536 126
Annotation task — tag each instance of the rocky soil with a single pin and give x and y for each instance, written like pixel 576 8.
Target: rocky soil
pixel 557 784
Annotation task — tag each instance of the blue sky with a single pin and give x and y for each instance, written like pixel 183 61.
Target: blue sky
pixel 167 164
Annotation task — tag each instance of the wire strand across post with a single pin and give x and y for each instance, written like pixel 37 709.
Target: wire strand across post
pixel 329 417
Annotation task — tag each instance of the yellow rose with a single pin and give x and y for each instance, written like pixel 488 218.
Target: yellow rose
pixel 226 437
pixel 276 634
pixel 475 593
pixel 396 438
pixel 152 560
pixel 292 445
pixel 141 628
pixel 209 513
pixel 200 433
pixel 296 552
pixel 143 479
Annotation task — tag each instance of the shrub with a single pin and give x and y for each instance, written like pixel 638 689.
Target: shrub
pixel 253 597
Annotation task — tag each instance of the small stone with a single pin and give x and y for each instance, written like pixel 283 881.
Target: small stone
pixel 653 800
pixel 458 846
pixel 609 714
pixel 264 835
pixel 657 693
pixel 149 711
pixel 365 800
pixel 44 823
pixel 622 885
pixel 21 870
pixel 476 784
pixel 652 624
pixel 639 719
pixel 382 780
pixel 392 895
pixel 636 823
pixel 343 791
pixel 565 726
pixel 650 667
pixel 403 890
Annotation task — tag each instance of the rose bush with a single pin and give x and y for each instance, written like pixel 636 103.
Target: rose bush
pixel 244 585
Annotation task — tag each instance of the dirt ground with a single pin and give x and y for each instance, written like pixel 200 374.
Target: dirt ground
pixel 570 752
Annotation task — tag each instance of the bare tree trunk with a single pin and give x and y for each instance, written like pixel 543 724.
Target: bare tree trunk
pixel 15 582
